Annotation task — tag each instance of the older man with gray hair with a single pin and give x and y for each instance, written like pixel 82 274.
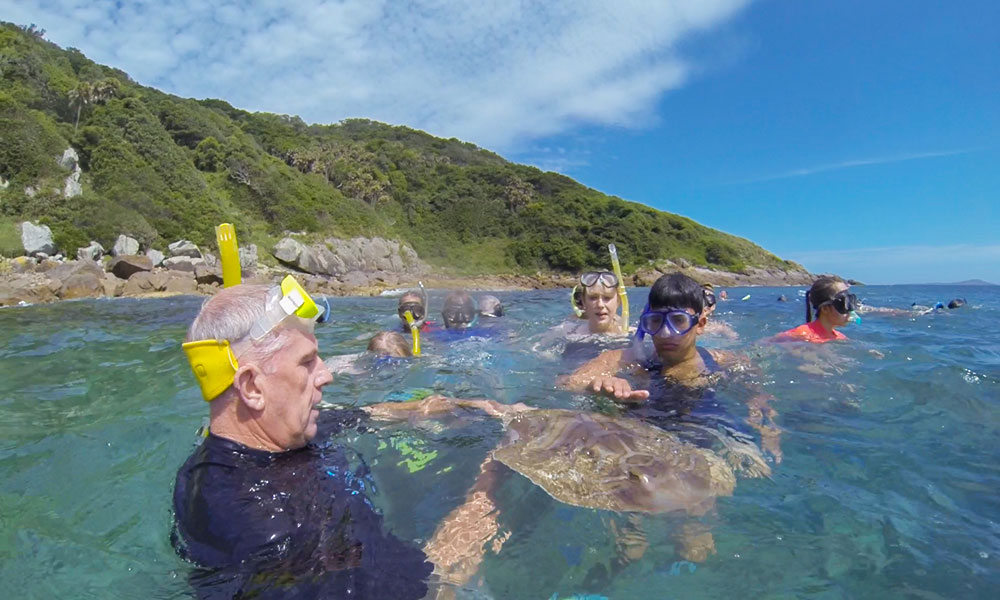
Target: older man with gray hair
pixel 262 510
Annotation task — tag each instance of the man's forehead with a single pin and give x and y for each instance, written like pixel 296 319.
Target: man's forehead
pixel 301 342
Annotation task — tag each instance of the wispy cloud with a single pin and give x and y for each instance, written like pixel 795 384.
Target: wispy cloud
pixel 496 73
pixel 850 164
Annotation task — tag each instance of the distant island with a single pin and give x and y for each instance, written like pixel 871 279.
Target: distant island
pixel 966 282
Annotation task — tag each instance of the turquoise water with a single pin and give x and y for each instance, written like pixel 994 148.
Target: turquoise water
pixel 888 488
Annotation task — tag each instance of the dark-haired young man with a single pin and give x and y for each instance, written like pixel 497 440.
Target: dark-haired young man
pixel 678 368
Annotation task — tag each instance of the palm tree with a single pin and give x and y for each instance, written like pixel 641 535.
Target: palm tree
pixel 83 94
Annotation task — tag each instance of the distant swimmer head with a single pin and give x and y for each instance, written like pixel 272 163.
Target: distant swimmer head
pixel 710 300
pixel 490 306
pixel 459 310
pixel 833 293
pixel 416 304
pixel 576 300
pixel 782 298
pixel 957 302
pixel 389 343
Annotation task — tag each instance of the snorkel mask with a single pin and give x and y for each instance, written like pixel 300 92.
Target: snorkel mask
pixel 710 299
pixel 676 321
pixel 461 314
pixel 845 303
pixel 214 362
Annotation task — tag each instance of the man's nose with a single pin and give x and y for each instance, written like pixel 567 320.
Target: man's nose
pixel 325 375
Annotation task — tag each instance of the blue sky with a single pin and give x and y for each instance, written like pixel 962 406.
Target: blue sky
pixel 856 137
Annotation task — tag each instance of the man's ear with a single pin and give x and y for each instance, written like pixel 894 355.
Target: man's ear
pixel 702 321
pixel 247 385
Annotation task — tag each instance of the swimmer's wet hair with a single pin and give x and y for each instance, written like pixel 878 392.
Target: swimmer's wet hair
pixel 389 343
pixel 822 290
pixel 677 291
pixel 490 306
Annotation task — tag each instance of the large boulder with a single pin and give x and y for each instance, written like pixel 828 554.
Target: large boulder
pixel 139 284
pixel 127 265
pixel 92 253
pixel 288 250
pixel 207 275
pixel 72 187
pixel 112 286
pixel 125 245
pixel 356 279
pixel 37 239
pixel 248 257
pixel 28 289
pixel 180 283
pixel 375 254
pixel 304 258
pixel 155 256
pixel 182 263
pixel 184 248
pixel 84 284
pixel 70 159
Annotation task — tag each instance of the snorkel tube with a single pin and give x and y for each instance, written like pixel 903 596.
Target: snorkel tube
pixel 414 330
pixel 229 254
pixel 622 295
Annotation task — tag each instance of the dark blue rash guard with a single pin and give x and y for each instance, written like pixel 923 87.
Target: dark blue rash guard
pixel 293 524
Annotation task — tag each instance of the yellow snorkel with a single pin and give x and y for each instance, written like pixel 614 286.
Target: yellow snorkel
pixel 414 330
pixel 622 295
pixel 229 254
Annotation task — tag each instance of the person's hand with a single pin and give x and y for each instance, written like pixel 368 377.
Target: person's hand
pixel 618 388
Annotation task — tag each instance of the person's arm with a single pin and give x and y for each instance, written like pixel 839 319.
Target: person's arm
pixel 600 376
pixel 761 415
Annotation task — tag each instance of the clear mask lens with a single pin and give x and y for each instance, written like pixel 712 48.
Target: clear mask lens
pixel 606 278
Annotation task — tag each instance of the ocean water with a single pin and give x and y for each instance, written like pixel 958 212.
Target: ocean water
pixel 888 486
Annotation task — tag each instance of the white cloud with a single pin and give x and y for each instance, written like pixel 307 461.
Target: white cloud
pixel 498 73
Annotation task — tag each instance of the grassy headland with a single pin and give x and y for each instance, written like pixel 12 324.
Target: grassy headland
pixel 162 168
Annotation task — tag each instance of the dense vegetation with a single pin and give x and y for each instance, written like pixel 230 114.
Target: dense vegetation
pixel 161 168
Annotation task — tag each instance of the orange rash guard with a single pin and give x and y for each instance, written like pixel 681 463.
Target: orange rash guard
pixel 810 332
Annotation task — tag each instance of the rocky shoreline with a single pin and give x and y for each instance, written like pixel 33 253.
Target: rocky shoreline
pixel 23 281
pixel 355 267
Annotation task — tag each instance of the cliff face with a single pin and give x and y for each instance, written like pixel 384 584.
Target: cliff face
pixel 93 155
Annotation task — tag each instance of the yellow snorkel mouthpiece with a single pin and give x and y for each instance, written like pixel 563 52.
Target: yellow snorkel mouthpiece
pixel 229 254
pixel 622 294
pixel 414 330
pixel 214 366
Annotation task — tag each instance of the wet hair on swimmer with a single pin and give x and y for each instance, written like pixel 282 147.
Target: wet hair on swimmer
pixel 490 306
pixel 677 291
pixel 822 290
pixel 389 343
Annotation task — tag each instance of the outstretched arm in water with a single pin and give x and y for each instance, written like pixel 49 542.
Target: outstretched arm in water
pixel 600 376
pixel 761 415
